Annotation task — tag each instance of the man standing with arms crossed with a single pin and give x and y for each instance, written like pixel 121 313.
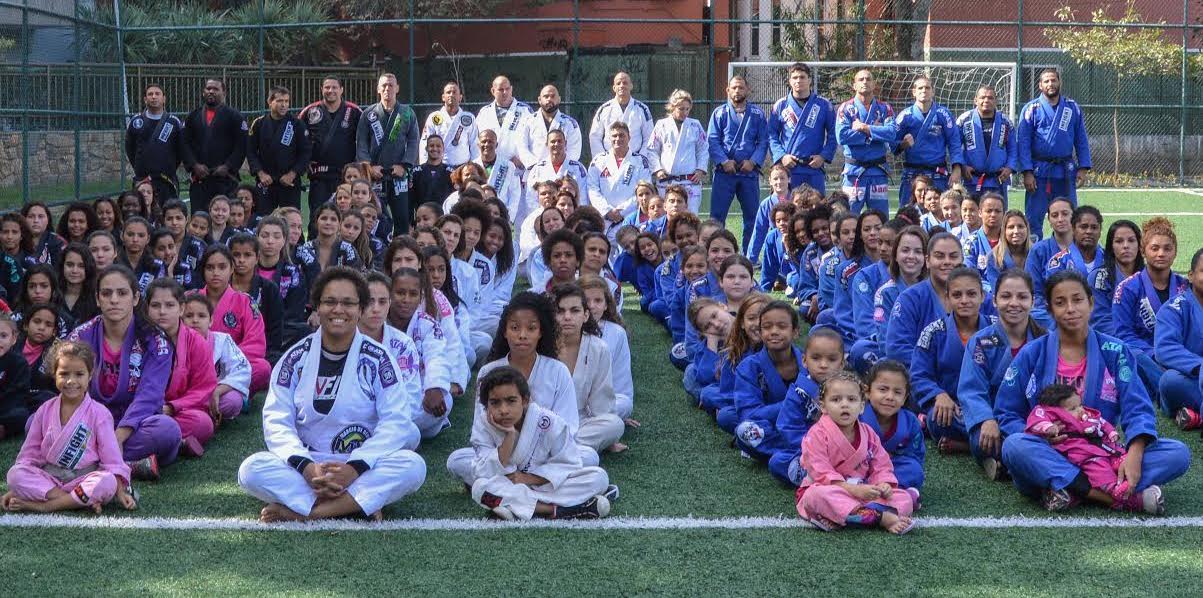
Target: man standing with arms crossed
pixel 455 126
pixel 1051 132
pixel 214 146
pixel 532 133
pixel 928 140
pixel 387 138
pixel 277 154
pixel 802 131
pixel 622 108
pixel 866 130
pixel 333 123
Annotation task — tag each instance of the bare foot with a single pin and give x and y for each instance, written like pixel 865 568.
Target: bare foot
pixel 377 517
pixel 97 508
pixel 632 422
pixel 6 501
pixel 18 504
pixel 893 523
pixel 617 447
pixel 275 513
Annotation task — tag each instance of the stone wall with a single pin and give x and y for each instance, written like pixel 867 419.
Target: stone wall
pixel 52 157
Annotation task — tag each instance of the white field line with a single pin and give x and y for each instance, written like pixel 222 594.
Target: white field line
pixel 614 523
pixel 1153 214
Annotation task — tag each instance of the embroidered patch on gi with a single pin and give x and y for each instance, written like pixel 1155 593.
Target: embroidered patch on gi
pixel 230 320
pixel 544 422
pixel 750 433
pixel 315 116
pixel 349 439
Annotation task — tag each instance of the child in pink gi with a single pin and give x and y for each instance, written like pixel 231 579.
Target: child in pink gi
pixel 189 396
pixel 70 458
pixel 1092 444
pixel 849 476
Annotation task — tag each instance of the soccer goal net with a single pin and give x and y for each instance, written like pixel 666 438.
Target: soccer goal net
pixel 955 83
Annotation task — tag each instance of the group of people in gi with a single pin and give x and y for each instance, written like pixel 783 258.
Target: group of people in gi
pixel 955 320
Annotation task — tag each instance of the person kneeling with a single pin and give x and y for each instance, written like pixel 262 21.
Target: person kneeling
pixel 527 462
pixel 339 392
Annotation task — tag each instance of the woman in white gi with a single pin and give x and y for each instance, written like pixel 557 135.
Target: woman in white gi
pixel 335 420
pixel 526 461
pixel 583 350
pixel 679 144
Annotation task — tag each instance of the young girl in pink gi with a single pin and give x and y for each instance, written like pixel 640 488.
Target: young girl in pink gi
pixel 849 477
pixel 233 370
pixel 1091 443
pixel 70 458
pixel 189 398
pixel 234 314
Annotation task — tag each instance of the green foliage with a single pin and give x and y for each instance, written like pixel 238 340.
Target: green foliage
pixel 298 45
pixel 1112 43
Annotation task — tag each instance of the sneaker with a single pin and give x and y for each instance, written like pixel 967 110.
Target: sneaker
pixel 914 494
pixel 594 508
pixel 1152 501
pixel 146 470
pixel 1188 419
pixel 994 470
pixel 611 493
pixel 192 447
pixel 1057 500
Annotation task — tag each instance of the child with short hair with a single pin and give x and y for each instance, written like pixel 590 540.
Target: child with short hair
pixel 778 194
pixel 1091 443
pixel 888 386
pixel 70 458
pixel 526 460
pixel 763 379
pixel 232 394
pixel 849 477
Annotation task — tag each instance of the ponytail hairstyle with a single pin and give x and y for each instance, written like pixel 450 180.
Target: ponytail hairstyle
pixel 424 288
pixel 1034 327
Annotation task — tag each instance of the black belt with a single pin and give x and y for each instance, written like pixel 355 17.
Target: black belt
pixel 675 177
pixel 923 166
pixel 865 163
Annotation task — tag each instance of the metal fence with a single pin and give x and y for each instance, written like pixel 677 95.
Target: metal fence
pixel 73 70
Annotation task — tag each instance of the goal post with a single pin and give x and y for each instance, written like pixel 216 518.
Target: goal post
pixel 955 83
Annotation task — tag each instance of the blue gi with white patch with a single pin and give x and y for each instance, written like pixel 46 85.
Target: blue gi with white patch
pixel 937 147
pixel 915 308
pixel 905 445
pixel 1178 345
pixel 936 368
pixel 1134 316
pixel 803 129
pixel 985 362
pixel 988 152
pixel 1048 139
pixel 799 411
pixel 843 308
pixel 1110 387
pixel 1063 259
pixel 759 393
pixel 866 177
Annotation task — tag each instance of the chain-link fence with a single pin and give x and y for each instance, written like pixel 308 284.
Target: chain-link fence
pixel 74 70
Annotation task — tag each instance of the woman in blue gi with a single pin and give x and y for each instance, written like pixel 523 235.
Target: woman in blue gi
pixel 908 267
pixel 763 378
pixel 1012 250
pixel 1056 253
pixel 818 228
pixel 1121 259
pixel 1140 296
pixel 864 255
pixel 1178 345
pixel 863 290
pixel 1102 371
pixel 979 245
pixel 936 363
pixel 832 263
pixel 987 356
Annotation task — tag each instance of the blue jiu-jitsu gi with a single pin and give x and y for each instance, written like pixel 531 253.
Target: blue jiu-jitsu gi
pixel 986 359
pixel 774 259
pixel 1102 287
pixel 866 177
pixel 807 283
pixel 863 289
pixel 869 349
pixel 803 129
pixel 1134 313
pixel 735 137
pixel 1052 145
pixel 904 442
pixel 1178 345
pixel 937 147
pixel 706 286
pixel 719 399
pixel 936 368
pixel 762 226
pixel 1111 386
pixel 799 411
pixel 987 152
pixel 759 392
pixel 979 255
pixel 828 278
pixel 915 308
pixel 843 306
pixel 1070 258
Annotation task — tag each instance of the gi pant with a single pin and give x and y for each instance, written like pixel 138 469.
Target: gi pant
pixel 398 204
pixel 277 195
pixel 202 192
pixel 1035 466
pixel 430 425
pixel 872 190
pixel 321 190
pixel 459 463
pixel 521 498
pixel 814 177
pixel 1179 391
pixel 271 480
pixel 600 431
pixel 1047 189
pixel 157 435
pixel 34 484
pixel 939 180
pixel 832 504
pixel 195 423
pixel 728 186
